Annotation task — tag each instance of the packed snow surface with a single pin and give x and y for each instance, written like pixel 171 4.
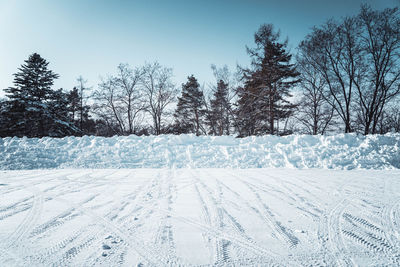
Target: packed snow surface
pixel 344 151
pixel 207 217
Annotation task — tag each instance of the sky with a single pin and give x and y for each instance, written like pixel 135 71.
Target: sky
pixel 90 38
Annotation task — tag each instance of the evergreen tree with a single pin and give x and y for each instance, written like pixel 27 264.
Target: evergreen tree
pixel 190 109
pixel 218 115
pixel 32 108
pixel 78 112
pixel 263 100
pixel 4 118
pixel 28 97
pixel 73 103
pixel 83 109
pixel 60 123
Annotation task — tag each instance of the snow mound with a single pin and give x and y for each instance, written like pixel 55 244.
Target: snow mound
pixel 343 151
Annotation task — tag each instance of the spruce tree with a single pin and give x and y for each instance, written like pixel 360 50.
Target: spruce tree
pixel 263 100
pixel 218 117
pixel 73 103
pixel 33 108
pixel 4 118
pixel 78 112
pixel 190 108
pixel 28 98
pixel 60 123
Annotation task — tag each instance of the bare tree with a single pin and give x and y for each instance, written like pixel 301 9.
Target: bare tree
pixel 315 114
pixel 159 92
pixel 392 122
pixel 333 52
pixel 119 99
pixel 130 94
pixel 380 40
pixel 358 57
pixel 107 105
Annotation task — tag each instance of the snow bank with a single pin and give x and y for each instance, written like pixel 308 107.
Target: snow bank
pixel 344 151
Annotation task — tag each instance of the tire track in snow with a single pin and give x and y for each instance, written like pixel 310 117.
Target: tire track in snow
pixel 356 224
pixel 71 247
pixel 378 232
pixel 240 239
pixel 234 239
pixel 394 218
pixel 22 205
pixel 295 198
pixel 335 236
pixel 15 239
pixel 391 211
pixel 142 202
pixel 206 218
pixel 49 254
pixel 146 254
pixel 281 231
pixel 249 207
pixel 28 222
pixel 164 237
pixel 61 218
pixel 119 231
pixel 343 226
pixel 222 246
pixel 15 208
pixel 38 179
pixel 65 252
pixel 369 236
pixel 297 203
pixel 233 222
pixel 316 211
pixel 137 202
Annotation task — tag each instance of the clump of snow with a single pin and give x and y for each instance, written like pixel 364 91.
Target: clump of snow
pixel 343 151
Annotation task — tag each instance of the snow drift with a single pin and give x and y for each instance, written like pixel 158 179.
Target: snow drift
pixel 344 151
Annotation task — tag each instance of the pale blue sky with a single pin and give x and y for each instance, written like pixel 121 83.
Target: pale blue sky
pixel 91 37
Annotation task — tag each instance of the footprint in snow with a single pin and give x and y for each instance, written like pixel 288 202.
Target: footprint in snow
pixel 107 247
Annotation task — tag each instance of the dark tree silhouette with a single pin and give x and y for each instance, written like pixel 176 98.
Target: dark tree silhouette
pixel 263 100
pixel 190 108
pixel 218 117
pixel 33 105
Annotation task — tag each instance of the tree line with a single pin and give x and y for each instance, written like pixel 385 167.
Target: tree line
pixel 344 77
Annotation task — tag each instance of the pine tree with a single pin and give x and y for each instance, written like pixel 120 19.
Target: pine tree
pixel 28 97
pixel 263 100
pixel 33 108
pixel 82 108
pixel 78 112
pixel 190 108
pixel 4 118
pixel 218 116
pixel 73 103
pixel 60 123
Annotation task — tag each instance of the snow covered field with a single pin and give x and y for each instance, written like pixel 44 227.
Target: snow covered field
pixel 159 217
pixel 187 200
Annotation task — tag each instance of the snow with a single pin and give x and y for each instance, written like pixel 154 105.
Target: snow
pixel 210 201
pixel 344 151
pixel 208 217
